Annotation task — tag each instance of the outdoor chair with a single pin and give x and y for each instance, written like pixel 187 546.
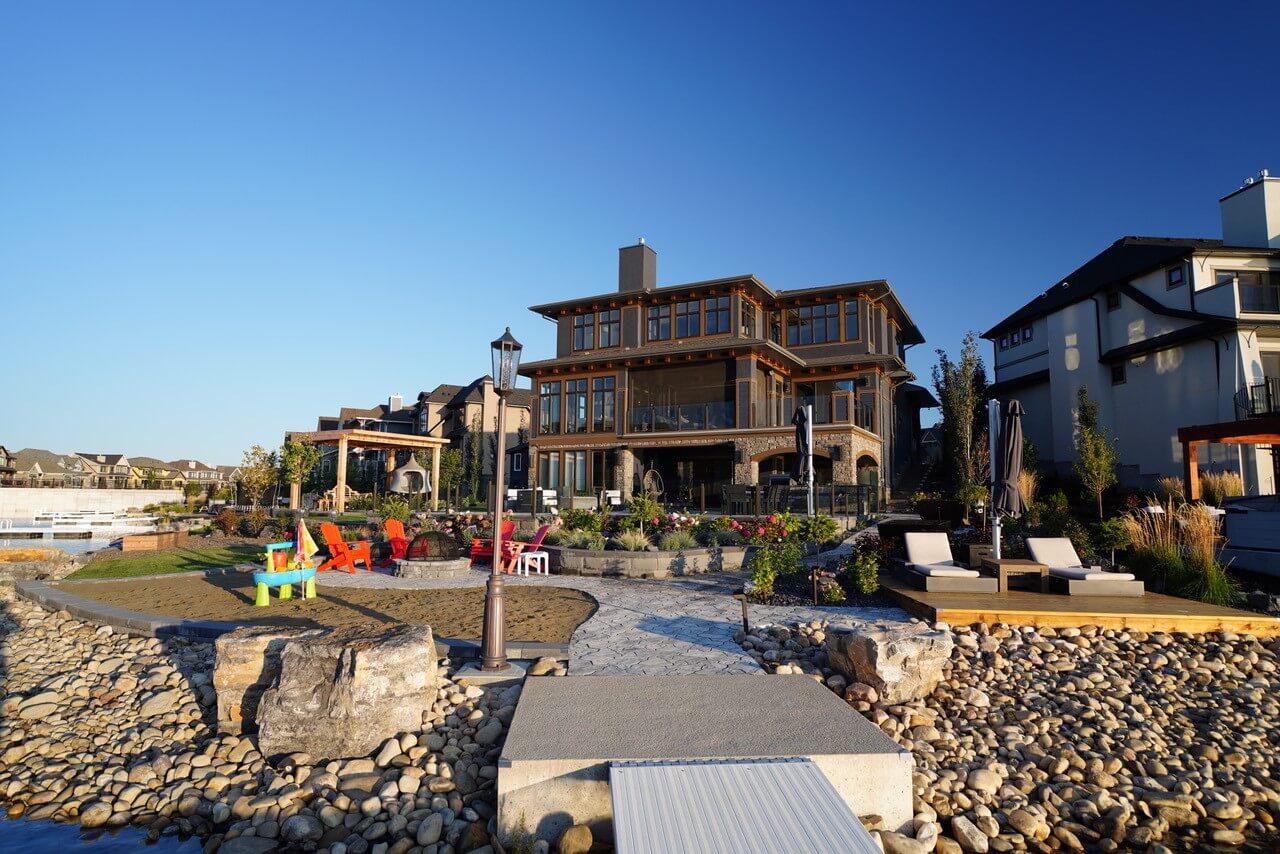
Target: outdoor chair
pixel 396 539
pixel 931 568
pixel 1065 571
pixel 482 549
pixel 517 554
pixel 342 554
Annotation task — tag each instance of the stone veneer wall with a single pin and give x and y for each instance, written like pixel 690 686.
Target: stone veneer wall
pixel 853 444
pixel 645 564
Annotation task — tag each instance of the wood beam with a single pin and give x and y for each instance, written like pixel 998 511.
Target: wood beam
pixel 340 488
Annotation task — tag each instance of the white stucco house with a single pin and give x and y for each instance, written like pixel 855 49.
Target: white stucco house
pixel 1166 333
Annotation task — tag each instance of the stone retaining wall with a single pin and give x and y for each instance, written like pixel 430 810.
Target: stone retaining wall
pixel 645 564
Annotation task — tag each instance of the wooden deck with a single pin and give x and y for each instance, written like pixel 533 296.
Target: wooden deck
pixel 1152 612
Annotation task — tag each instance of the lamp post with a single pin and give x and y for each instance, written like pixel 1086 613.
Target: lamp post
pixel 493 647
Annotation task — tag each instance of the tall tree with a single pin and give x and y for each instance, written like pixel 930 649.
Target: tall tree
pixel 258 473
pixel 1095 448
pixel 961 388
pixel 475 455
pixel 297 459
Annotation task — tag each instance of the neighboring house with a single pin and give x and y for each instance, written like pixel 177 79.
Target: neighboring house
pixel 699 382
pixel 1166 333
pixel 152 473
pixel 7 468
pixel 198 472
pixel 36 467
pixel 931 445
pixel 109 471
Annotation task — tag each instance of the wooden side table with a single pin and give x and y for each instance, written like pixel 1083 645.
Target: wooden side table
pixel 1006 567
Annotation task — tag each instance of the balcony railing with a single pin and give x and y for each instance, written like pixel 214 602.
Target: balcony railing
pixel 827 409
pixel 683 416
pixel 1257 399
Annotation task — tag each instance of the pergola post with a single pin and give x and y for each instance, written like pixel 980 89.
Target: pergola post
pixel 435 477
pixel 295 496
pixel 340 489
pixel 1191 470
pixel 391 466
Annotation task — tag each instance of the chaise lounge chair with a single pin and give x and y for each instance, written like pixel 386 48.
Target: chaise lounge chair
pixel 1065 570
pixel 931 568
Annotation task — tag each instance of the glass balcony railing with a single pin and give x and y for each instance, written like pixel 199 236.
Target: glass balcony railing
pixel 682 416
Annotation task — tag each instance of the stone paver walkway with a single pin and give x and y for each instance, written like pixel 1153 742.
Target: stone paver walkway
pixel 680 626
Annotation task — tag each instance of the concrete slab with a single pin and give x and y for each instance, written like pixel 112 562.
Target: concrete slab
pixel 554 769
pixel 471 674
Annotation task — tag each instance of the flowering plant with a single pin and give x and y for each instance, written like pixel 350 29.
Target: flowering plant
pixel 774 528
pixel 678 522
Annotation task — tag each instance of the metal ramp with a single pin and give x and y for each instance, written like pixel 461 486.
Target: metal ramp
pixel 731 806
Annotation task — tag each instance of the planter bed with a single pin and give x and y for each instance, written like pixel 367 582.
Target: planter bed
pixel 646 564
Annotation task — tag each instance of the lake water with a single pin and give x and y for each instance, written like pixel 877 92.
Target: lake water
pixel 42 836
pixel 75 547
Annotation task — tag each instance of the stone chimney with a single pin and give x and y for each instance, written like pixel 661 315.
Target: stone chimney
pixel 395 403
pixel 1251 215
pixel 637 268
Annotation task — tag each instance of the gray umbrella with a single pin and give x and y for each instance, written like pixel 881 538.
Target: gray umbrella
pixel 1008 499
pixel 800 467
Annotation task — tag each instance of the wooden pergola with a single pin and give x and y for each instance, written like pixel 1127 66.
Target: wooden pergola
pixel 1251 431
pixel 368 439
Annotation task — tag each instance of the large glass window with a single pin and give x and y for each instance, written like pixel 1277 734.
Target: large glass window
pixel 813 324
pixel 659 322
pixel 575 406
pixel 717 310
pixel 748 312
pixel 584 332
pixel 1259 292
pixel 609 322
pixel 687 319
pixel 851 330
pixel 549 408
pixel 549 470
pixel 576 472
pixel 602 404
pixel 775 327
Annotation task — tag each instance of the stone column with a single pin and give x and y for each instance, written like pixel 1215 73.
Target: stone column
pixel 435 477
pixel 624 472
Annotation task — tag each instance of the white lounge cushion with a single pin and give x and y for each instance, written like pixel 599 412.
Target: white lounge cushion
pixel 951 569
pixel 928 549
pixel 1053 552
pixel 1088 573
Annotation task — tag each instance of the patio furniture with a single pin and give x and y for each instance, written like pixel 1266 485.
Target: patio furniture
pixel 930 567
pixel 482 549
pixel 512 550
pixel 396 539
pixel 1066 572
pixel 539 560
pixel 1004 568
pixel 343 554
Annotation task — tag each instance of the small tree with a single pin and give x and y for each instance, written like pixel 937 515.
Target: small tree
pixel 257 473
pixel 475 455
pixel 961 387
pixel 297 459
pixel 1096 466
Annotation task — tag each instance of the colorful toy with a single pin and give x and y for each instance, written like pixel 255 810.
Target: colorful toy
pixel 283 572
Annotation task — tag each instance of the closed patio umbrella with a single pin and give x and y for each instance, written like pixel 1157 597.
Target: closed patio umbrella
pixel 800 466
pixel 1007 499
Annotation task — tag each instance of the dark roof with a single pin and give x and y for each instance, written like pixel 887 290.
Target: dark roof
pixel 921 395
pixel 48 461
pixel 1193 332
pixel 327 422
pixel 107 459
pixel 1126 259
pixel 1024 381
pixel 442 393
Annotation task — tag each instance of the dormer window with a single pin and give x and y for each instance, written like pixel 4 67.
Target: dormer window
pixel 1173 277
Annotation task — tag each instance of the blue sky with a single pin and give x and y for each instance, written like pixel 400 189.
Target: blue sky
pixel 218 221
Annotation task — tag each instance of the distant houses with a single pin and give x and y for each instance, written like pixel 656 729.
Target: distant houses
pixel 37 467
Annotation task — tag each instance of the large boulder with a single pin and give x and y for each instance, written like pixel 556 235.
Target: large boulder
pixel 246 663
pixel 35 563
pixel 902 662
pixel 342 692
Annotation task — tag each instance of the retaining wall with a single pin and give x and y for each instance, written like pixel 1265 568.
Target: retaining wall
pixel 622 564
pixel 22 502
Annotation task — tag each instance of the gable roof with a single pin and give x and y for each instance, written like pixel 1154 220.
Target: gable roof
pixel 103 459
pixel 48 461
pixel 1126 259
pixel 153 463
pixel 191 465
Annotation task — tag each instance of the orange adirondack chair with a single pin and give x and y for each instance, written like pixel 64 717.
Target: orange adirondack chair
pixel 397 539
pixel 483 549
pixel 511 549
pixel 344 554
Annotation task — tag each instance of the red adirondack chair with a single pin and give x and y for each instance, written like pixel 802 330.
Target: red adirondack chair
pixel 344 555
pixel 511 549
pixel 483 549
pixel 396 539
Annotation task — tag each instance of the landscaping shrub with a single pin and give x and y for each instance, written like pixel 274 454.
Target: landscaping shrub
pixel 786 557
pixel 862 573
pixel 631 541
pixel 1053 516
pixel 395 508
pixel 228 521
pixel 677 541
pixel 831 593
pixel 1217 486
pixel 769 529
pixel 255 523
pixel 1171 489
pixel 645 513
pixel 816 529
pixel 764 573
pixel 584 540
pixel 582 520
pixel 1207 580
pixel 555 537
pixel 1028 483
pixel 1110 535
pixel 722 538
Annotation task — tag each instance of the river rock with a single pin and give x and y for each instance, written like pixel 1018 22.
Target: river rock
pixel 343 692
pixel 576 839
pixel 902 662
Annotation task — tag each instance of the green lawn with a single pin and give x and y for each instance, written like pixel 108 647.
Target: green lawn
pixel 185 560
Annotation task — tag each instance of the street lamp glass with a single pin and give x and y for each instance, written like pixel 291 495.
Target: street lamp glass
pixel 506 361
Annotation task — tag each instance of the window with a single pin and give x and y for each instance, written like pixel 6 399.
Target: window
pixel 575 406
pixel 1173 277
pixel 549 470
pixel 1259 292
pixel 1004 342
pixel 813 324
pixel 717 309
pixel 1118 374
pixel 775 327
pixel 602 404
pixel 1026 334
pixel 1015 338
pixel 609 327
pixel 516 461
pixel 1113 300
pixel 549 408
pixel 575 471
pixel 687 319
pixel 748 319
pixel 584 332
pixel 659 322
pixel 851 320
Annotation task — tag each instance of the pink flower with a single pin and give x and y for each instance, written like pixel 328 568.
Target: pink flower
pixel 734 524
pixel 654 520
pixel 760 531
pixel 771 519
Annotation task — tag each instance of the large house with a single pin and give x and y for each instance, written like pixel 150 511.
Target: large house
pixel 7 468
pixel 152 473
pixel 1166 333
pixel 36 467
pixel 699 382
